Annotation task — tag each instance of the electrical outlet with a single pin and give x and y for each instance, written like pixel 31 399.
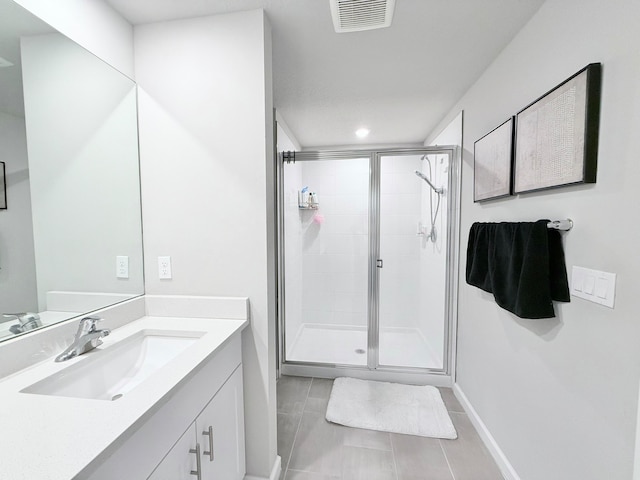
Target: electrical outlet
pixel 122 266
pixel 164 268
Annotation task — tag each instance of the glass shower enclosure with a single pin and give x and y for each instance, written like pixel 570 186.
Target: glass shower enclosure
pixel 367 261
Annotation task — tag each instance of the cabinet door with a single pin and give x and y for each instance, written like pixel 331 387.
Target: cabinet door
pixel 220 429
pixel 180 461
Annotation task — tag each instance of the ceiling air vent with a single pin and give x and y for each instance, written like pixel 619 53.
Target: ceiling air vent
pixel 358 15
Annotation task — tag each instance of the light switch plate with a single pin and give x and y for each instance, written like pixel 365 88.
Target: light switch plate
pixel 122 266
pixel 593 285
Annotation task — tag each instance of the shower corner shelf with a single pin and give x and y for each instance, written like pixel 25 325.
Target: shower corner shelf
pixel 310 207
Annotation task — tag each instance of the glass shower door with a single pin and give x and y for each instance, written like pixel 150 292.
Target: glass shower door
pixel 326 232
pixel 412 260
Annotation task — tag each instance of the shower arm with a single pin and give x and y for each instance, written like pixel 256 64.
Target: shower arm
pixel 439 191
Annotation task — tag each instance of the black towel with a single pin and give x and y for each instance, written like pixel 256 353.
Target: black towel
pixel 522 264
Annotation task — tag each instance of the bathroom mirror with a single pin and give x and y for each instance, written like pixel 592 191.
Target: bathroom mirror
pixel 71 235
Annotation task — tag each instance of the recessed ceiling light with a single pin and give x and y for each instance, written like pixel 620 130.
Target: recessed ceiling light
pixel 362 132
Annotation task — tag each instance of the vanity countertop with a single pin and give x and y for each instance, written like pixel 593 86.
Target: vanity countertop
pixel 53 437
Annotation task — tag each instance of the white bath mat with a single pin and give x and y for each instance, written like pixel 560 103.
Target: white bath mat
pixel 390 407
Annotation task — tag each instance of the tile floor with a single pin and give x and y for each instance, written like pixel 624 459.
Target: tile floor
pixel 314 449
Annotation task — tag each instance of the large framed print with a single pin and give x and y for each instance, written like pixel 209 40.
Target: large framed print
pixel 556 140
pixel 492 160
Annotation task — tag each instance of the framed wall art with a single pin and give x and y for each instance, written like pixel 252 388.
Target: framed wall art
pixel 3 187
pixel 556 141
pixel 492 160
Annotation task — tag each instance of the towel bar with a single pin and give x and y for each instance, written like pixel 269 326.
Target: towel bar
pixel 564 225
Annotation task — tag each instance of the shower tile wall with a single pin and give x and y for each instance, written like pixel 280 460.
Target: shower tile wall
pixel 334 252
pixel 399 244
pixel 293 248
pixel 433 258
pixel 412 282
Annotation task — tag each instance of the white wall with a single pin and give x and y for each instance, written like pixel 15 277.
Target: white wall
pixel 451 133
pixel 83 163
pixel 17 261
pixel 560 395
pixel 206 160
pixel 92 24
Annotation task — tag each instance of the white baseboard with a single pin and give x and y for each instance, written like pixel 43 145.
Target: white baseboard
pixel 498 455
pixel 275 471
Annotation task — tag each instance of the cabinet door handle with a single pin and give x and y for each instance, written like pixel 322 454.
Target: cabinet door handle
pixel 210 434
pixel 198 471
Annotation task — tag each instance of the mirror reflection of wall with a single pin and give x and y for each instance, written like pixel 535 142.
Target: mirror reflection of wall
pixel 68 137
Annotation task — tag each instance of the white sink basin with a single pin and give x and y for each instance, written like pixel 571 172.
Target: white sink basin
pixel 113 372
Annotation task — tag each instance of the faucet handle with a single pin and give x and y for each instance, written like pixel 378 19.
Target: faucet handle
pixel 88 324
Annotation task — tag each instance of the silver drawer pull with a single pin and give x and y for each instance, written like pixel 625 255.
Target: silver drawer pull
pixel 210 434
pixel 198 471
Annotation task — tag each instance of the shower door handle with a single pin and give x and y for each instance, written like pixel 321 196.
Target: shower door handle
pixel 379 263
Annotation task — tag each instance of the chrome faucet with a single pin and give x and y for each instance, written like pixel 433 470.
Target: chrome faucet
pixel 87 338
pixel 28 321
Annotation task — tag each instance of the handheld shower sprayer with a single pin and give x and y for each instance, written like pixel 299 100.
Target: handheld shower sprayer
pixel 439 191
pixel 432 235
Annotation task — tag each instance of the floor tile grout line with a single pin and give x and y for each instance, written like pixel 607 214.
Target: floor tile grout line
pixel 295 436
pixel 444 452
pixel 293 444
pixel 365 447
pixel 306 399
pixel 302 471
pixel 393 456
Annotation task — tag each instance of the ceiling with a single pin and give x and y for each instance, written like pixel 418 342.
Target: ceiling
pixel 399 82
pixel 14 23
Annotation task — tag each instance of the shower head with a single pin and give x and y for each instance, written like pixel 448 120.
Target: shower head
pixel 424 177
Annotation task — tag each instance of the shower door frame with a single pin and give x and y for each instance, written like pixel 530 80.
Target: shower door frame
pixel 374 371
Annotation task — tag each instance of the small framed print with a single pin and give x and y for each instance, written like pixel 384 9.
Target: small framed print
pixel 492 161
pixel 556 141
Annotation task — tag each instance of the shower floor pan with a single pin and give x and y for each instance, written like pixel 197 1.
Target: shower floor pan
pixel 347 345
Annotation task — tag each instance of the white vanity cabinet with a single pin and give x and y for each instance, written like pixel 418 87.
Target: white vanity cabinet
pixel 212 448
pixel 180 462
pixel 221 432
pixel 163 446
